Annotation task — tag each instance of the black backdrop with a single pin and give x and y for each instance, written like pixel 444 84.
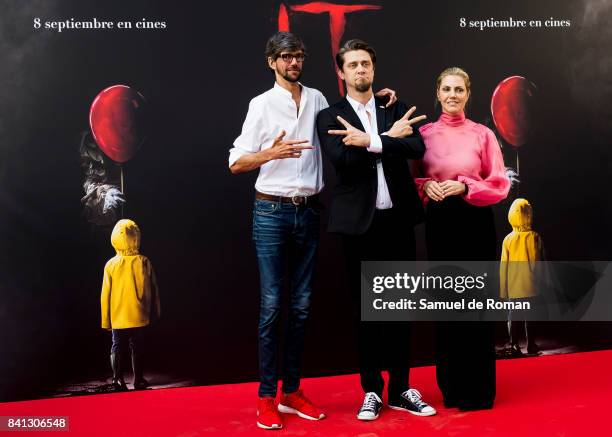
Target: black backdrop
pixel 198 76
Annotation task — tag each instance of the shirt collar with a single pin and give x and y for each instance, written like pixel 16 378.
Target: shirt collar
pixel 286 93
pixel 369 106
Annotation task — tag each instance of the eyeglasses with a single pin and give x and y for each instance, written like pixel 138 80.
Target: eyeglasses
pixel 288 57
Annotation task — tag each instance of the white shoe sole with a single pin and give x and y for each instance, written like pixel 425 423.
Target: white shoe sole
pixel 413 412
pixel 284 409
pixel 262 426
pixel 368 418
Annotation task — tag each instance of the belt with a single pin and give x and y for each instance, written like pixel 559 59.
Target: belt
pixel 295 200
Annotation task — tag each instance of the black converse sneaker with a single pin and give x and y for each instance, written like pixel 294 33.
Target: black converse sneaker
pixel 411 401
pixel 371 407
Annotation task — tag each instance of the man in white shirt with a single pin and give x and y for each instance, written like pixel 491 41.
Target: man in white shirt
pixel 279 137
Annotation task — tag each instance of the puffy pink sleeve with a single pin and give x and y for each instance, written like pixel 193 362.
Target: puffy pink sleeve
pixel 418 173
pixel 491 185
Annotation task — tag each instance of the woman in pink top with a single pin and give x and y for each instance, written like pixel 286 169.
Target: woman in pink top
pixel 461 174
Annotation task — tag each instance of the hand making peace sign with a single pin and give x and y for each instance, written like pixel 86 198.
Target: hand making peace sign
pixel 403 127
pixel 400 129
pixel 352 135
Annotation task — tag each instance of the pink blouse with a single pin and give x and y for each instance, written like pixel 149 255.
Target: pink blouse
pixel 459 149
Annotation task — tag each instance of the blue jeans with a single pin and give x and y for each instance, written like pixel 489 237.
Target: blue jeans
pixel 285 236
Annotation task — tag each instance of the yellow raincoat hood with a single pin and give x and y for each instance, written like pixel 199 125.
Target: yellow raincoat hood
pixel 522 249
pixel 129 298
pixel 125 237
pixel 519 215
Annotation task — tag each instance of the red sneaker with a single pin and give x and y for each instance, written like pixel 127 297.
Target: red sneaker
pixel 267 414
pixel 297 403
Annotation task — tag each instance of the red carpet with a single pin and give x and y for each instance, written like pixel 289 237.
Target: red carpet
pixel 561 395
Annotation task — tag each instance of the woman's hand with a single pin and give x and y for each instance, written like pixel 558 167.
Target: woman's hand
pixel 452 188
pixel 433 190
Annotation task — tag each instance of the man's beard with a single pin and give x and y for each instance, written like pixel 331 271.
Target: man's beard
pixel 362 85
pixel 291 78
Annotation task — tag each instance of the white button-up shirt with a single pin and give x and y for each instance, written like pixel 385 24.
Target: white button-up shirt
pixel 270 113
pixel 383 198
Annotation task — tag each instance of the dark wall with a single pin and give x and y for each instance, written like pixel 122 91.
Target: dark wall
pixel 198 76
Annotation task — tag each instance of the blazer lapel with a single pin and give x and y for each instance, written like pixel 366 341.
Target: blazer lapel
pixel 349 114
pixel 381 117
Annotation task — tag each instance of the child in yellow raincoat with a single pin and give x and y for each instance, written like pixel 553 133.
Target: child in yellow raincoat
pixel 521 250
pixel 129 300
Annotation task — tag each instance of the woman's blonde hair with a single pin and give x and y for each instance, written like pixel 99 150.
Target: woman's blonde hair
pixel 454 71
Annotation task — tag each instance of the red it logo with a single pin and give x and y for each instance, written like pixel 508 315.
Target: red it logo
pixel 337 21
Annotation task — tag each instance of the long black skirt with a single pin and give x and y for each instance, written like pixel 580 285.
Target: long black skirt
pixel 465 351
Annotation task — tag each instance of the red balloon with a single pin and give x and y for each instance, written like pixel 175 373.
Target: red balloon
pixel 511 107
pixel 116 118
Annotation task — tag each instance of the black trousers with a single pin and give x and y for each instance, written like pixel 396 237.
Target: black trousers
pixel 132 336
pixel 381 345
pixel 465 351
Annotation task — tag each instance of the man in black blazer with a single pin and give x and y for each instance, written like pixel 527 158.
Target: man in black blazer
pixel 374 208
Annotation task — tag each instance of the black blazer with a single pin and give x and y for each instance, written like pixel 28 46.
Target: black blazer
pixel 354 192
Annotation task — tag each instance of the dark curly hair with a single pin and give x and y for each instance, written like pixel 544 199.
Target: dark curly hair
pixel 283 42
pixel 354 44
